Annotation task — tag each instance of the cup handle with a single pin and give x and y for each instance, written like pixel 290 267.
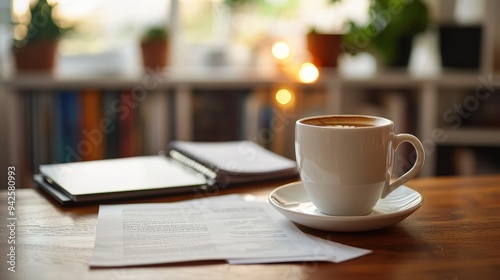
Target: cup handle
pixel 419 148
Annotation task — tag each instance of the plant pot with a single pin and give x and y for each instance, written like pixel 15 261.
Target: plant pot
pixel 402 56
pixel 396 54
pixel 36 56
pixel 460 46
pixel 324 48
pixel 154 54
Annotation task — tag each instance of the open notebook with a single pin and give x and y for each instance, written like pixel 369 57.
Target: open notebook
pixel 189 166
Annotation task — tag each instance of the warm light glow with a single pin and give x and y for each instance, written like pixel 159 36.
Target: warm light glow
pixel 308 73
pixel 283 96
pixel 64 9
pixel 19 32
pixel 280 50
pixel 20 7
pixel 70 10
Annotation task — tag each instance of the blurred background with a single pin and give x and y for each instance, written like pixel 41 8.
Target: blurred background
pixel 95 79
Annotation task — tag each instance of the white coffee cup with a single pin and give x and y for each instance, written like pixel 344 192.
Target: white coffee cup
pixel 345 161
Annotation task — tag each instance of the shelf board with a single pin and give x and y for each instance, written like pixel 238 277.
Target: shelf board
pixel 167 78
pixel 246 76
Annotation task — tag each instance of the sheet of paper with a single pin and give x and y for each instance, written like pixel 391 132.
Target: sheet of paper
pixel 325 250
pixel 219 228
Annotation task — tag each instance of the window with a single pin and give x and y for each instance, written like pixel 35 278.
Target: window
pixel 208 32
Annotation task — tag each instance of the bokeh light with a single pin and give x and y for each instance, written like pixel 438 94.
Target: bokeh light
pixel 280 50
pixel 283 96
pixel 308 73
pixel 20 8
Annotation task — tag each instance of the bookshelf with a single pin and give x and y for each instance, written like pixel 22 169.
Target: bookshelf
pixel 169 105
pixel 54 118
pixel 441 108
pixel 172 108
pixel 424 106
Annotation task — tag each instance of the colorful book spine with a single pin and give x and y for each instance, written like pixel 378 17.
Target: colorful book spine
pixel 110 99
pixel 126 115
pixel 92 136
pixel 154 119
pixel 67 126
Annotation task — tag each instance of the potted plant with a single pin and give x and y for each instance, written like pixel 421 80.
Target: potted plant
pixel 154 47
pixel 37 49
pixel 460 34
pixel 324 48
pixel 390 31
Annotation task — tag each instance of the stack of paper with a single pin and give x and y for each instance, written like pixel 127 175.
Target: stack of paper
pixel 218 228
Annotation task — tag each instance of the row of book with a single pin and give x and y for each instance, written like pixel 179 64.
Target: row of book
pixel 79 125
pixel 57 126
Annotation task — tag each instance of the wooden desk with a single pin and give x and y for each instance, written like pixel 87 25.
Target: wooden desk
pixel 454 235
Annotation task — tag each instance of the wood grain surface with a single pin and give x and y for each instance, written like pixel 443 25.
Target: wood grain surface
pixel 454 235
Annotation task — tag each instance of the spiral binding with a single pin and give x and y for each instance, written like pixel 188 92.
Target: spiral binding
pixel 186 160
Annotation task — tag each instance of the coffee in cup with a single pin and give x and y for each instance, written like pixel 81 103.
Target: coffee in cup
pixel 346 161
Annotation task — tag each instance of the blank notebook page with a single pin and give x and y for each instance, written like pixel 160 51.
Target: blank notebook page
pixel 238 156
pixel 118 175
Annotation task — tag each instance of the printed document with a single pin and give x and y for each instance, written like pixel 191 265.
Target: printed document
pixel 219 228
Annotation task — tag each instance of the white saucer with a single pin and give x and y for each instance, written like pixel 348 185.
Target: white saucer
pixel 292 201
